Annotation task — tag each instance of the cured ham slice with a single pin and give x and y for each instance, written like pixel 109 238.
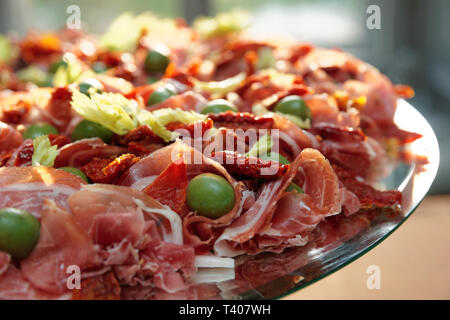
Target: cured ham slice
pixel 367 195
pixel 13 286
pixel 43 105
pixel 9 137
pixel 5 259
pixel 349 148
pixel 292 137
pixel 79 153
pixel 275 228
pixel 111 213
pixel 199 231
pixel 27 187
pixel 298 214
pixel 170 186
pixel 62 243
pixel 324 112
pixel 140 238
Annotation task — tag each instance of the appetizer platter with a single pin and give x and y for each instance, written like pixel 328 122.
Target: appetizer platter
pixel 163 161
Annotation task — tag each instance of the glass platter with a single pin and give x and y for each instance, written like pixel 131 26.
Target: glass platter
pixel 342 239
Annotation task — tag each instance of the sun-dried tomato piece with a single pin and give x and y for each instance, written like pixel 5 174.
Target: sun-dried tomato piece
pixel 138 149
pixel 15 113
pixel 37 48
pixel 200 126
pixel 243 166
pixel 338 133
pixel 242 120
pixel 170 186
pixel 103 287
pixel 107 171
pixel 368 196
pixel 22 155
pixel 109 58
pixel 4 157
pixel 142 134
pixel 58 140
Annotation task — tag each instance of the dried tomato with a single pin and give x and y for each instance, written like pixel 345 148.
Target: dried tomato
pixel 242 120
pixel 58 140
pixel 368 196
pixel 141 133
pixel 15 113
pixel 243 166
pixel 106 171
pixel 192 128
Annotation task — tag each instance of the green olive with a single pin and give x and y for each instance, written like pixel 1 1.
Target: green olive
pixel 39 129
pixel 210 195
pixel 76 172
pixel 156 61
pixel 161 94
pixel 218 106
pixel 89 86
pixel 293 187
pixel 294 105
pixel 19 232
pixel 99 67
pixel 88 129
pixel 274 157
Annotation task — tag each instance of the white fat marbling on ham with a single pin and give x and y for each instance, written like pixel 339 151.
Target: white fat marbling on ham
pixel 176 234
pixel 210 261
pixel 26 187
pixel 5 259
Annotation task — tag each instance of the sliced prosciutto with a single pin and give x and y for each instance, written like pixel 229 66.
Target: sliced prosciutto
pixel 9 138
pixel 138 237
pixel 199 231
pixel 5 259
pixel 278 219
pixel 62 243
pixel 26 187
pixel 14 286
pixel 48 105
pixel 111 214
